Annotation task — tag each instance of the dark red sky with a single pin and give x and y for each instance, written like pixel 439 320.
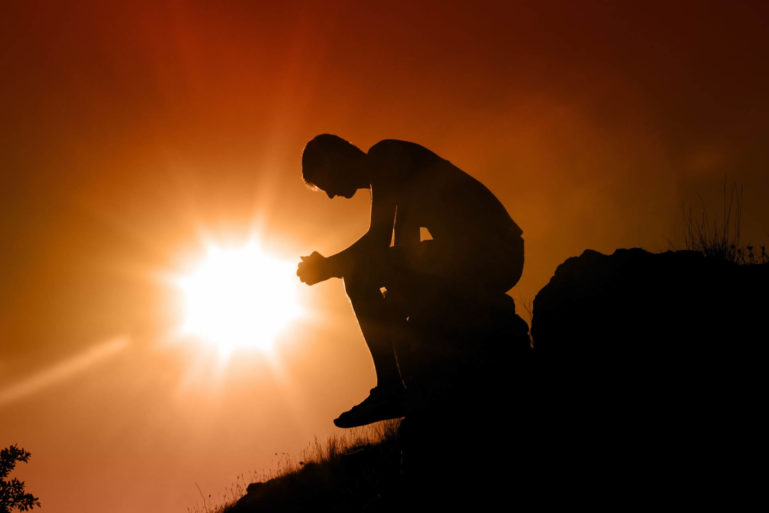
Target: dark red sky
pixel 127 131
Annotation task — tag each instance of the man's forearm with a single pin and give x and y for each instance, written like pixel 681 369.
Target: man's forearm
pixel 337 264
pixel 341 263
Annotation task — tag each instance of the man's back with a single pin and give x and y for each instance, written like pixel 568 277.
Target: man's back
pixel 431 192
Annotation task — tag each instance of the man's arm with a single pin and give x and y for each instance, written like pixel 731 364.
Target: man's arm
pixel 378 236
pixel 316 268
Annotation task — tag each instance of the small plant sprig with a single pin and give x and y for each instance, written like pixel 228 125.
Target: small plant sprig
pixel 12 493
pixel 720 238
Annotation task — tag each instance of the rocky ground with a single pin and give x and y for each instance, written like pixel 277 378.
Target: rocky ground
pixel 643 386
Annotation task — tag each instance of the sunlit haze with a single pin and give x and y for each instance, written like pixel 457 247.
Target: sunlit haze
pixel 239 298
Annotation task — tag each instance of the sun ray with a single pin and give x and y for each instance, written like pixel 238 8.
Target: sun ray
pixel 64 370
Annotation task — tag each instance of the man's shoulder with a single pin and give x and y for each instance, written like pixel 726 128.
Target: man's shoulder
pixel 387 146
pixel 394 152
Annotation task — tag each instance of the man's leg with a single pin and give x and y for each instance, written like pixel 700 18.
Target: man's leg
pixel 377 320
pixel 379 323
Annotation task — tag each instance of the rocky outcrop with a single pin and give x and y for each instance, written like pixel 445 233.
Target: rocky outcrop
pixel 638 310
pixel 644 387
pixel 655 364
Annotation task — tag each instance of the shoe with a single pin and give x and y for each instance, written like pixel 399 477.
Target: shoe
pixel 381 404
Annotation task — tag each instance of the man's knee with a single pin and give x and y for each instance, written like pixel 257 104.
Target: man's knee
pixel 517 263
pixel 500 269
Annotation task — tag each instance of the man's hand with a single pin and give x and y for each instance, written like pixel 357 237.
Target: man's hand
pixel 313 269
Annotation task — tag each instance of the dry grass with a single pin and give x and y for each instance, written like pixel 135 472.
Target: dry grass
pixel 717 238
pixel 348 440
pixel 316 452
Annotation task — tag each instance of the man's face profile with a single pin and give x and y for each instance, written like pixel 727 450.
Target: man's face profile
pixel 334 177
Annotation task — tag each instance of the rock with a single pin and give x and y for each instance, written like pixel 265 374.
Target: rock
pixel 654 364
pixel 462 343
pixel 643 312
pixel 469 406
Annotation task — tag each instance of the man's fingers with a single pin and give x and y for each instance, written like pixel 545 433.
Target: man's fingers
pixel 307 269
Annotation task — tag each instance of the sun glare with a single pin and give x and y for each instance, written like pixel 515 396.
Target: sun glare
pixel 239 298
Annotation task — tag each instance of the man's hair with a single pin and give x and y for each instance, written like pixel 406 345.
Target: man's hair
pixel 321 149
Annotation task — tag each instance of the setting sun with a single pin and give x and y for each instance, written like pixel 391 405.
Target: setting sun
pixel 239 298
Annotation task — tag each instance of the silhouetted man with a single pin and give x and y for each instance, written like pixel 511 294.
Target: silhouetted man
pixel 476 248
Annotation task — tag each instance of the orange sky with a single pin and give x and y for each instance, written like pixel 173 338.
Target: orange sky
pixel 128 132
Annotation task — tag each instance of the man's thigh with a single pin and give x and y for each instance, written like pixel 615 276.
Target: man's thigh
pixel 494 267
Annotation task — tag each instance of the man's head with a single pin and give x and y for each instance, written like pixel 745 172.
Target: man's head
pixel 333 165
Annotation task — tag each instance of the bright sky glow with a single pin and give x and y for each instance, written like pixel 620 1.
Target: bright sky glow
pixel 239 298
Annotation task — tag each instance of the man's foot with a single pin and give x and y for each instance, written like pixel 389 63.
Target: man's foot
pixel 381 404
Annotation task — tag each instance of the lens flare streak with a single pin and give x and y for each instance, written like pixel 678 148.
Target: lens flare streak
pixel 64 370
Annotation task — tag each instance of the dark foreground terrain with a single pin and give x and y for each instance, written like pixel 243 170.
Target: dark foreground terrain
pixel 644 385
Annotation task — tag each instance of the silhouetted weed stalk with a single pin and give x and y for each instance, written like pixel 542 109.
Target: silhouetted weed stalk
pixel 317 452
pixel 720 238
